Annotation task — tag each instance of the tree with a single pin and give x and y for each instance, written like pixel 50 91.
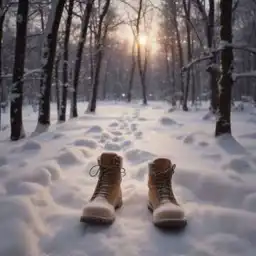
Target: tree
pixel 99 38
pixel 63 106
pixel 17 130
pixel 49 52
pixel 79 55
pixel 223 125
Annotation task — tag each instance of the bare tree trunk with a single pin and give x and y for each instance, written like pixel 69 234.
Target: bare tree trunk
pixel 79 55
pixel 131 79
pixel 180 51
pixel 100 41
pixel 193 86
pixel 139 55
pixel 17 130
pixel 49 52
pixel 187 9
pixel 57 84
pixel 2 17
pixel 173 72
pixel 223 125
pixel 92 63
pixel 62 116
pixel 212 70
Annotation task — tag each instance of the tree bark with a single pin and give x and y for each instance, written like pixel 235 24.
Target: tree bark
pixel 62 116
pixel 187 9
pixel 223 124
pixel 49 52
pixel 132 72
pixel 2 17
pixel 142 71
pixel 79 55
pixel 212 71
pixel 100 41
pixel 57 84
pixel 17 130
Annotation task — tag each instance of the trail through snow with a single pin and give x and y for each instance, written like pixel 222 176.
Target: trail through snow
pixel 45 182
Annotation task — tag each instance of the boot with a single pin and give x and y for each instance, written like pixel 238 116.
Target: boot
pixel 162 202
pixel 107 196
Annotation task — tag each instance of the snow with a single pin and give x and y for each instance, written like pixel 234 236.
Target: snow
pixel 45 183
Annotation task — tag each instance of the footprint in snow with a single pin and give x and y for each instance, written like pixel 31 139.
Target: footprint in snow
pixel 117 139
pixel 126 144
pixel 214 157
pixel 117 133
pixel 92 144
pixel 112 146
pixel 70 157
pixel 138 135
pixel 114 124
pixel 189 139
pixel 94 129
pixel 203 144
pixel 134 127
pixel 3 160
pixel 239 166
pixel 136 156
pixel 27 146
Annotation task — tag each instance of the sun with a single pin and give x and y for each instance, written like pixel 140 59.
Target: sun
pixel 143 39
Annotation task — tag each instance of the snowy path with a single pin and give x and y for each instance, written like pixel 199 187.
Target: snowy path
pixel 45 183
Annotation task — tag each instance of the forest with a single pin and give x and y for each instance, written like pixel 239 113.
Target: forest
pixel 183 52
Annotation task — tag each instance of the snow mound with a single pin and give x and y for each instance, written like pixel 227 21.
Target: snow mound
pixel 21 209
pixel 222 244
pixel 69 197
pixel 18 239
pixel 215 183
pixel 22 184
pixel 53 168
pixel 23 188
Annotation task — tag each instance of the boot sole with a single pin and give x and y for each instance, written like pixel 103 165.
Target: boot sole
pixel 99 220
pixel 175 224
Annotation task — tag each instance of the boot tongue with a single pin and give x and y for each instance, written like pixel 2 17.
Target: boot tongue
pixel 109 160
pixel 161 165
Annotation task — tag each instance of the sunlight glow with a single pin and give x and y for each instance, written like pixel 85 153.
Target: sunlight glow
pixel 143 39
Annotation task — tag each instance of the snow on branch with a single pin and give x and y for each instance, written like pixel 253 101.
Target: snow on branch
pixel 195 61
pixel 224 44
pixel 29 72
pixel 251 74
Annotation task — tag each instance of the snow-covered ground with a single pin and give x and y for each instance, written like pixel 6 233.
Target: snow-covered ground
pixel 45 182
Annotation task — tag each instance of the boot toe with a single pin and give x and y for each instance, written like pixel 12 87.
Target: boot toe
pixel 98 212
pixel 169 215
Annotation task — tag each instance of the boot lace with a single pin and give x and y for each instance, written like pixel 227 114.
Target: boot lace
pixel 106 182
pixel 163 184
